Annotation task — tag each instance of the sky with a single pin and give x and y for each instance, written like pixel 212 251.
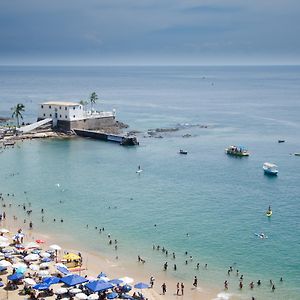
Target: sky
pixel 113 32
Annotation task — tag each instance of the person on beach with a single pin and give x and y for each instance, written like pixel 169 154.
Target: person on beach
pixel 30 225
pixel 174 255
pixel 164 288
pixel 175 267
pixel 195 283
pixel 281 280
pixel 197 266
pixel 273 288
pixel 241 285
pixel 177 288
pixel 226 285
pixel 258 282
pixel 152 279
pixel 205 266
pixel 251 285
pixel 165 266
pixel 182 288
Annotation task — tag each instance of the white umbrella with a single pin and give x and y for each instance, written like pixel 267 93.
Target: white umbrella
pixel 81 296
pixel 32 245
pixel 44 265
pixel 5 263
pixel 19 265
pixel 34 267
pixel 55 247
pixel 3 239
pixel 127 280
pixel 43 273
pixel 61 291
pixel 45 254
pixel 4 230
pixel 75 291
pixel 93 297
pixel 29 281
pixel 32 257
pixel 4 244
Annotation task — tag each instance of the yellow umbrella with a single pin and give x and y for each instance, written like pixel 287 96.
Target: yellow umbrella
pixel 71 256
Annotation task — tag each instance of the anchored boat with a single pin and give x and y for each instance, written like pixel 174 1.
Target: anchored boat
pixel 237 151
pixel 270 169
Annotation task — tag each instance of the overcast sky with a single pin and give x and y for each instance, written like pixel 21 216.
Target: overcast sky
pixel 150 31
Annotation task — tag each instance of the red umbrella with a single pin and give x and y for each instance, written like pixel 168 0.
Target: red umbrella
pixel 40 241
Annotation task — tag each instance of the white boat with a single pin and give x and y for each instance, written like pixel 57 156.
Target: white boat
pixel 270 168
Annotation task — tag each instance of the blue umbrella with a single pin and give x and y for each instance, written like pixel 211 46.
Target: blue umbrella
pixel 112 295
pixel 18 246
pixel 51 280
pixel 73 279
pixel 3 269
pixel 21 270
pixel 98 286
pixel 46 259
pixel 1 284
pixel 15 276
pixel 126 288
pixel 115 281
pixel 141 286
pixel 63 270
pixel 102 274
pixel 41 286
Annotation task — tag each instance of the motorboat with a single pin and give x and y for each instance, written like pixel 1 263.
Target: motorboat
pixel 297 154
pixel 270 169
pixel 182 152
pixel 237 151
pixel 281 141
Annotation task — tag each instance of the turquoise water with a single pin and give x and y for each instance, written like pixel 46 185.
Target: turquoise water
pixel 219 200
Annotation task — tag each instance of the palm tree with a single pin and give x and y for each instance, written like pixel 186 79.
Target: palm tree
pixel 17 112
pixel 93 99
pixel 84 103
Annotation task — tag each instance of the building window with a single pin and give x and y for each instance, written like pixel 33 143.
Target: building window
pixel 50 115
pixel 60 116
pixel 66 117
pixel 73 116
pixel 74 107
pixel 50 106
pixel 42 106
pixel 66 108
pixel 44 115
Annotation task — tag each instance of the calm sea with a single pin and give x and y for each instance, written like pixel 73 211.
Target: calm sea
pixel 219 201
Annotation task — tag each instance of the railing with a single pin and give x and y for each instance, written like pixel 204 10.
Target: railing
pixel 99 114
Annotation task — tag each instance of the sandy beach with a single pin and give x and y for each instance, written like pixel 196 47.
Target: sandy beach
pixel 94 263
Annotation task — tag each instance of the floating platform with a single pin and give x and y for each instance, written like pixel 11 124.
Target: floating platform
pixel 123 140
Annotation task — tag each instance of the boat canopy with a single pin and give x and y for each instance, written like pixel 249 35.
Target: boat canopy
pixel 270 165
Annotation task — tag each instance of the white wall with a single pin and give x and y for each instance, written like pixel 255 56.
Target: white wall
pixel 67 113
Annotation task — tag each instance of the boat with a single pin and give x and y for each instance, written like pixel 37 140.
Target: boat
pixel 297 154
pixel 182 152
pixel 237 151
pixel 8 143
pixel 269 213
pixel 261 235
pixel 281 141
pixel 270 169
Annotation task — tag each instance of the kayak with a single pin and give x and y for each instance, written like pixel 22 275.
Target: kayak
pixel 269 213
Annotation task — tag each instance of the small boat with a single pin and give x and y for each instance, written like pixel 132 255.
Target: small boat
pixel 8 143
pixel 269 213
pixel 261 235
pixel 182 152
pixel 270 169
pixel 281 141
pixel 237 151
pixel 297 154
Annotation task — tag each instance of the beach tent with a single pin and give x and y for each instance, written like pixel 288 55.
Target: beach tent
pixel 71 256
pixel 15 277
pixel 51 280
pixel 98 286
pixel 41 286
pixel 141 286
pixel 73 279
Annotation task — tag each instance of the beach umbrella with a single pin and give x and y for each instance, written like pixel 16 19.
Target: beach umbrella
pixel 4 230
pixel 44 265
pixel 55 247
pixel 46 259
pixel 8 250
pixel 15 277
pixel 61 291
pixel 1 284
pixel 3 269
pixel 43 273
pixel 4 244
pixel 34 267
pixel 51 280
pixel 115 281
pixel 3 239
pixel 19 265
pixel 5 263
pixel 32 245
pixel 32 257
pixel 44 254
pixel 29 281
pixel 71 256
pixel 81 296
pixel 93 297
pixel 112 295
pixel 73 279
pixel 75 291
pixel 19 246
pixel 36 251
pixel 98 286
pixel 63 270
pixel 127 280
pixel 126 288
pixel 141 286
pixel 41 286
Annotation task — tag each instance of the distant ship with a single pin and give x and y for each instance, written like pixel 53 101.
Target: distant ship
pixel 270 169
pixel 237 151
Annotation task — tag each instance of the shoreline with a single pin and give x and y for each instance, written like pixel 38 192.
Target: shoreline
pixel 96 262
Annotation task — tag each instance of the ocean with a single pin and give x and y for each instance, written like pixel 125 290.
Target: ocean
pixel 206 203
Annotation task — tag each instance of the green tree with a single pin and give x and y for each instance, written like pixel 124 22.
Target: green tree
pixel 17 112
pixel 93 99
pixel 84 103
